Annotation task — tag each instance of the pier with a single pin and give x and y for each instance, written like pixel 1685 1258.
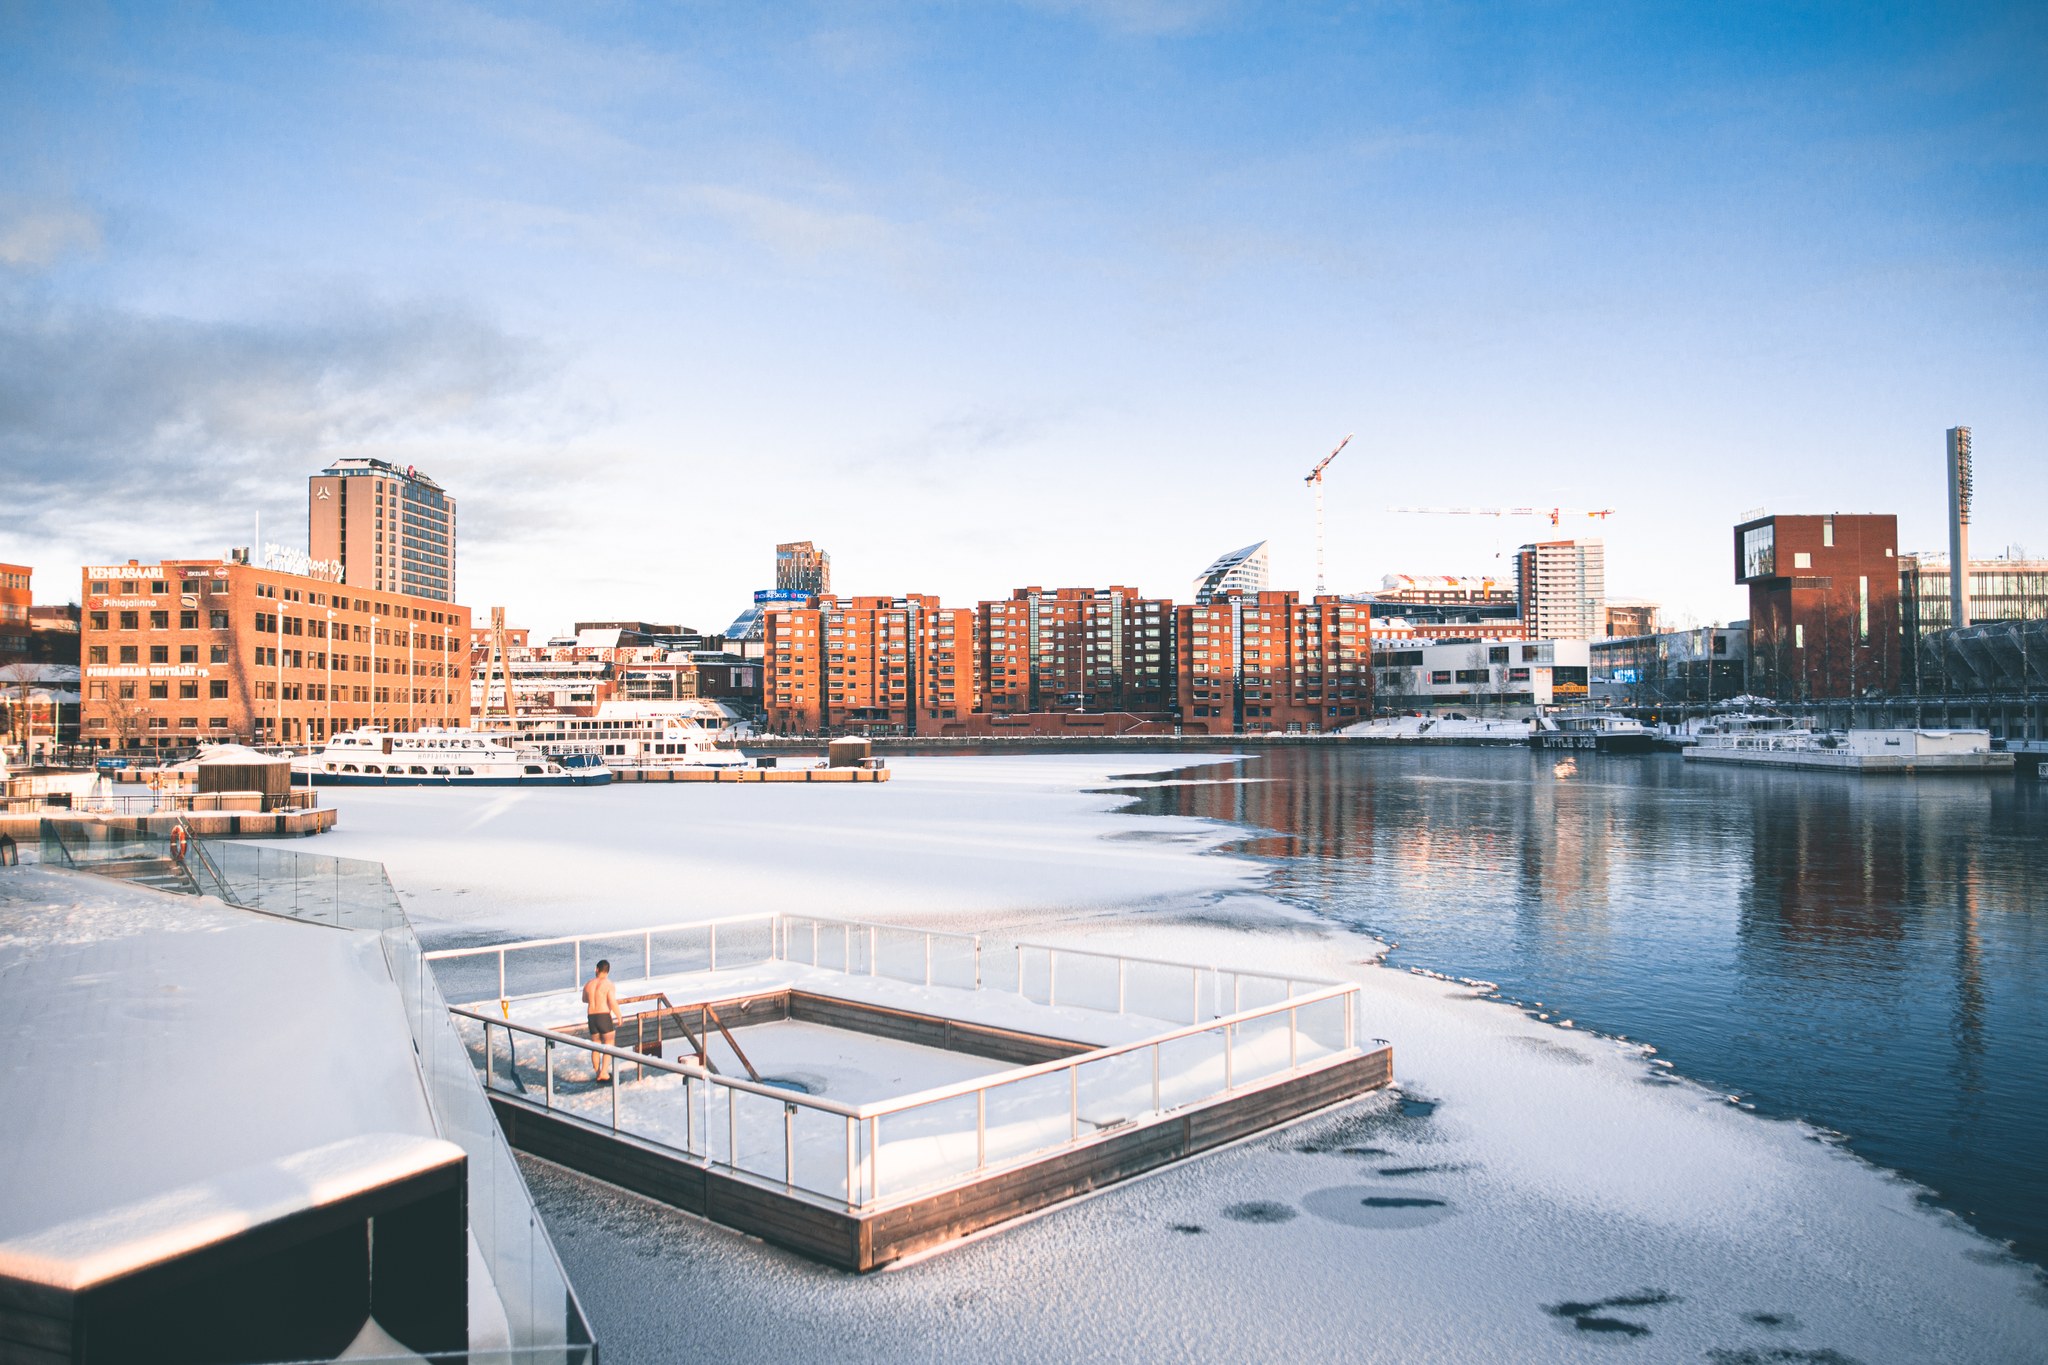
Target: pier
pixel 755 1092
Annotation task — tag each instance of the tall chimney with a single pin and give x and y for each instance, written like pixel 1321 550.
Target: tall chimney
pixel 1959 526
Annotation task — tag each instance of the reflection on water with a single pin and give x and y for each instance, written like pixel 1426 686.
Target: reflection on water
pixel 1869 954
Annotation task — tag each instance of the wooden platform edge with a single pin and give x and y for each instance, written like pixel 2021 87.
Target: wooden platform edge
pixel 868 1242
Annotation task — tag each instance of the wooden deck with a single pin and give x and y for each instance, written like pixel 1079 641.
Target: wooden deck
pixel 863 1241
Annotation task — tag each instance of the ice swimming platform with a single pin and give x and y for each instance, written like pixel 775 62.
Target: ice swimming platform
pixel 864 1092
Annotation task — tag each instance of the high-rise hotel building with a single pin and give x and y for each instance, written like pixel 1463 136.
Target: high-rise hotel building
pixel 1563 587
pixel 387 528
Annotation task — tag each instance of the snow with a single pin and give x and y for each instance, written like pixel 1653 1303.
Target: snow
pixel 167 1059
pixel 113 1242
pixel 1533 1194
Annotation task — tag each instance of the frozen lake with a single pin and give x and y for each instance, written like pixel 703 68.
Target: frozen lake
pixel 1535 1194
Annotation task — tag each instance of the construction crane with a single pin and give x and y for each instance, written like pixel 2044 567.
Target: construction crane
pixel 1315 481
pixel 1556 514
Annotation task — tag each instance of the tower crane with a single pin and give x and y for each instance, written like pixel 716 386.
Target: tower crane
pixel 1315 481
pixel 1556 514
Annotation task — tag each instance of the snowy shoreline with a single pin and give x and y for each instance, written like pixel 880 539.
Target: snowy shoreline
pixel 1543 1169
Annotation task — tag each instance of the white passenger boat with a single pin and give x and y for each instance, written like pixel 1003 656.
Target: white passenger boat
pixel 634 734
pixel 437 758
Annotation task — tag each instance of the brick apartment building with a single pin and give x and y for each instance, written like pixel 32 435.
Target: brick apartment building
pixel 17 599
pixel 1823 604
pixel 1267 661
pixel 1074 658
pixel 886 664
pixel 179 651
pixel 1077 649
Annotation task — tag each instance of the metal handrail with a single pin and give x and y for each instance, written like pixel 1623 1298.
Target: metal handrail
pixel 439 954
pixel 937 1094
pixel 622 1054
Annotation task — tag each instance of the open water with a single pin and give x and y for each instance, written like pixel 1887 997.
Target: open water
pixel 1868 954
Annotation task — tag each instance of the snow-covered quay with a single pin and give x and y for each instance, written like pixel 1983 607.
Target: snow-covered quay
pixel 1533 1194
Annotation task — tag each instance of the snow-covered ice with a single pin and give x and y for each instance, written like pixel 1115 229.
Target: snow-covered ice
pixel 1532 1194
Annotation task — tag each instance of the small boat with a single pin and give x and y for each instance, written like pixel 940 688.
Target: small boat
pixel 437 758
pixel 1595 730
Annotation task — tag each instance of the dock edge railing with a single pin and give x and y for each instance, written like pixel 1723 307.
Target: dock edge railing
pixel 864 1157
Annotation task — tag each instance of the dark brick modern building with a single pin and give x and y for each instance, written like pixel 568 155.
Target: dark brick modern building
pixel 1823 604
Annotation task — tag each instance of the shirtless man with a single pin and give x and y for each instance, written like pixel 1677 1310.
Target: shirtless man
pixel 601 1001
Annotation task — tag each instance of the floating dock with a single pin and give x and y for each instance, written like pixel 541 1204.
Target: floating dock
pixel 861 1093
pixel 750 774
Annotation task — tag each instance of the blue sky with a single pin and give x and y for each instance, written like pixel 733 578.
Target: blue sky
pixel 980 296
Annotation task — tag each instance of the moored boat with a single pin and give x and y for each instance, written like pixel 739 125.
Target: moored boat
pixel 437 758
pixel 1594 730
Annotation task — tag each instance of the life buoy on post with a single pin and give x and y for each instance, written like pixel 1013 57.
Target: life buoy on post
pixel 179 842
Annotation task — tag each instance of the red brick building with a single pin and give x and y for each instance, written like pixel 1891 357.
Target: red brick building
pixel 16 601
pixel 1823 604
pixel 179 651
pixel 1256 662
pixel 878 664
pixel 1077 649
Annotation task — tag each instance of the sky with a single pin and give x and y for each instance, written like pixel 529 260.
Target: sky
pixel 980 296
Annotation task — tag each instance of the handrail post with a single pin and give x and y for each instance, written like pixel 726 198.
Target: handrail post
pixel 1229 1072
pixel 647 955
pixel 1293 1039
pixel 1120 964
pixel 714 947
pixel 1073 1104
pixel 1052 977
pixel 980 1128
pixel 1194 995
pixel 977 962
pixel 732 1128
pixel 852 1187
pixel 873 947
pixel 615 1091
pixel 788 1145
pixel 548 1052
pixel 501 973
pixel 874 1160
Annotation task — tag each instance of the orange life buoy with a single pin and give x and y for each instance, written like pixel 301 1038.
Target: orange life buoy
pixel 179 842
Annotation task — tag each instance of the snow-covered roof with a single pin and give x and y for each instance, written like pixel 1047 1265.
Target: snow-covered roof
pixel 171 1068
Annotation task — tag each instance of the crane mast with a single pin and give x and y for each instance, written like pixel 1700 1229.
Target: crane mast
pixel 1315 481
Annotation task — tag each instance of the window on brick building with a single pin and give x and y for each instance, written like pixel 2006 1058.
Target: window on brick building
pixel 129 654
pixel 159 654
pixel 217 688
pixel 159 691
pixel 188 654
pixel 131 620
pixel 159 620
pixel 188 620
pixel 188 691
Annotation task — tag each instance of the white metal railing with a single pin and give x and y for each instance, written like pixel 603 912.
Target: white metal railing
pixel 1044 974
pixel 863 1156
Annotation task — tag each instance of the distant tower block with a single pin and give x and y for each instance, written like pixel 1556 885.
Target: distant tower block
pixel 802 567
pixel 1959 526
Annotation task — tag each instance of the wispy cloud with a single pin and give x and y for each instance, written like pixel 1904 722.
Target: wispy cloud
pixel 118 427
pixel 1141 17
pixel 35 237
